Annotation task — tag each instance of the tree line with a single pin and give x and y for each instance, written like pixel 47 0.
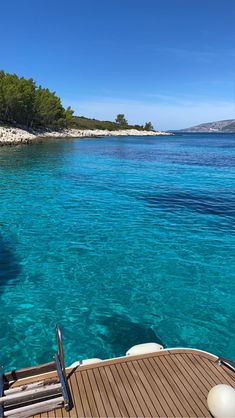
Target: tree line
pixel 81 122
pixel 122 121
pixel 24 103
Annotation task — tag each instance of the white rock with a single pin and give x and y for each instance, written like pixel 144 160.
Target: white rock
pixel 17 135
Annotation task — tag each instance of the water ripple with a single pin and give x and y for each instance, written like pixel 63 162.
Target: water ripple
pixel 121 241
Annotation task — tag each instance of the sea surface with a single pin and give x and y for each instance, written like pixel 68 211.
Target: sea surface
pixel 120 241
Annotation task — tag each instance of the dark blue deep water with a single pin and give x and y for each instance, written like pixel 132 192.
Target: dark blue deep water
pixel 121 241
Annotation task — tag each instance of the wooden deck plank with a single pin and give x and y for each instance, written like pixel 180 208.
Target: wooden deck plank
pixel 155 390
pixel 96 394
pixel 219 372
pixel 170 387
pixel 75 393
pixel 190 406
pixel 149 355
pixel 188 382
pixel 196 383
pixel 65 414
pixel 44 415
pixel 163 386
pixel 51 414
pixel 156 386
pixel 228 371
pixel 116 392
pixel 207 375
pixel 103 394
pixel 90 394
pixel 123 390
pixel 109 392
pixel 122 360
pixel 171 383
pixel 83 395
pixel 175 384
pixel 150 410
pixel 133 399
pixel 203 384
pixel 139 394
pixel 167 389
pixel 58 412
pixel 143 385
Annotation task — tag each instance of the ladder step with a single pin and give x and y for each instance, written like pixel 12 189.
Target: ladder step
pixel 33 394
pixel 37 408
pixel 30 386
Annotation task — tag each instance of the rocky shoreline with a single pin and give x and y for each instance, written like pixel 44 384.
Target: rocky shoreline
pixel 16 136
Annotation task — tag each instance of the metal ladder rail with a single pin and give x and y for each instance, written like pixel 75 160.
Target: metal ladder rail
pixel 60 366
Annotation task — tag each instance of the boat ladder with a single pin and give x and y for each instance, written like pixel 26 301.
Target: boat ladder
pixel 40 394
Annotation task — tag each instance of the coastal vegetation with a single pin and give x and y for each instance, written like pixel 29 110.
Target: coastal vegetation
pixel 121 120
pixel 148 126
pixel 26 105
pixel 81 122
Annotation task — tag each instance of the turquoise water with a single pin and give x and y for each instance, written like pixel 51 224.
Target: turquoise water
pixel 121 241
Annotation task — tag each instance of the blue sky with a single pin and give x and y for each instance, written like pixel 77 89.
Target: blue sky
pixel 168 61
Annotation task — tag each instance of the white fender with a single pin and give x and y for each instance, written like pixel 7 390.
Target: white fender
pixel 144 349
pixel 75 364
pixel 221 401
pixel 85 362
pixel 90 361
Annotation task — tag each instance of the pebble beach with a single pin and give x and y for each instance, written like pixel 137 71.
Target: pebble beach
pixel 15 136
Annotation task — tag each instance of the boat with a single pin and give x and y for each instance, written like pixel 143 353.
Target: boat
pixel 148 381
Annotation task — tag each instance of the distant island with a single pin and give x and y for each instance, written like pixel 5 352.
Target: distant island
pixel 223 126
pixel 29 112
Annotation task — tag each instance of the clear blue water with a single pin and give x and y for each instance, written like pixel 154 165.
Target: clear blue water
pixel 121 241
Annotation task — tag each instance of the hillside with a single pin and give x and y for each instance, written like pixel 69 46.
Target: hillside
pixel 219 126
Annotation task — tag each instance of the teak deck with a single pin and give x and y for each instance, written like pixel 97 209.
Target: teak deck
pixel 173 383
